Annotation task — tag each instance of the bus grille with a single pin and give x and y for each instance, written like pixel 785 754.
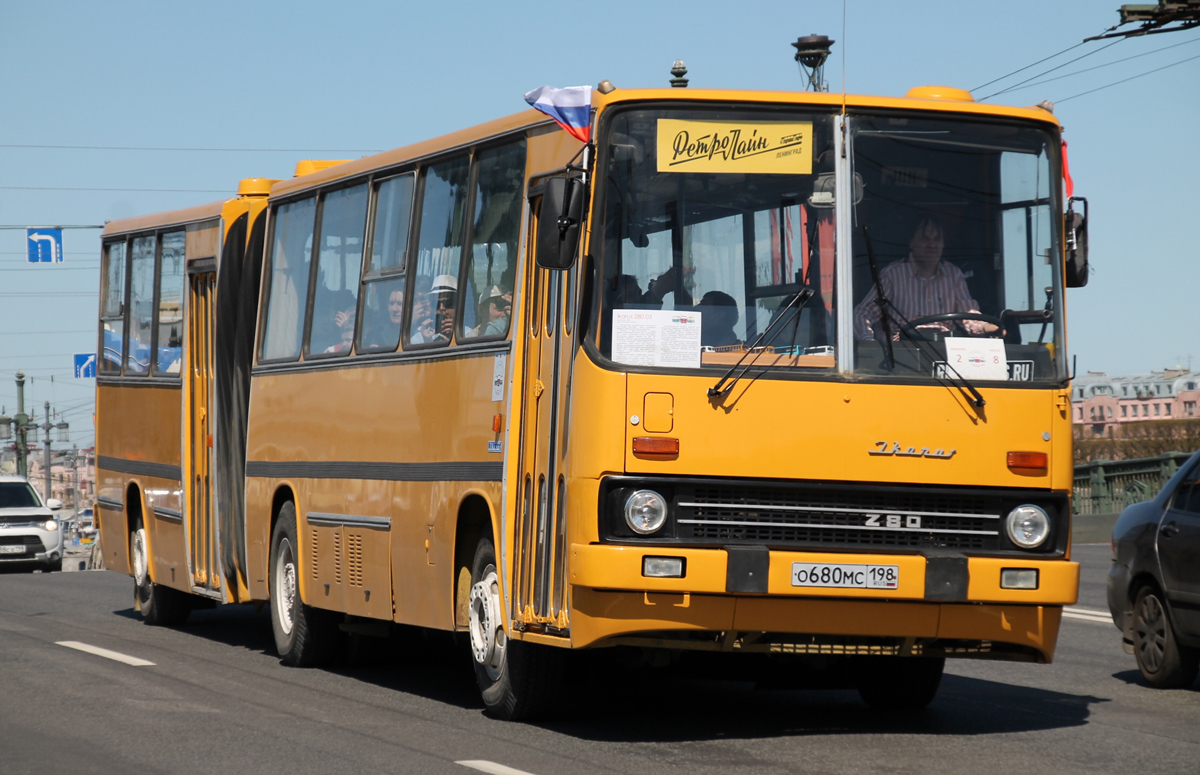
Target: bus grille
pixel 842 518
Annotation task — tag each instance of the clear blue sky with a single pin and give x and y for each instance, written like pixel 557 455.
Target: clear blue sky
pixel 302 79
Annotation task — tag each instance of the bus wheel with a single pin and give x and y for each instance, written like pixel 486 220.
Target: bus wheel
pixel 304 636
pixel 517 680
pixel 1163 662
pixel 901 683
pixel 160 606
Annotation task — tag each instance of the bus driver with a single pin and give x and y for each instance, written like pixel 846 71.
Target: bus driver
pixel 921 285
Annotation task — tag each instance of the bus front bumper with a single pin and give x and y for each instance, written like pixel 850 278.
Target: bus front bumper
pixel 938 596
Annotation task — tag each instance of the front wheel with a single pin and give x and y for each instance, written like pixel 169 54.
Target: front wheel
pixel 901 683
pixel 304 636
pixel 1164 663
pixel 160 606
pixel 517 680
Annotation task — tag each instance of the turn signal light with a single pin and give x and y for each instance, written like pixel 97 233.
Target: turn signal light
pixel 655 445
pixel 1028 462
pixel 497 423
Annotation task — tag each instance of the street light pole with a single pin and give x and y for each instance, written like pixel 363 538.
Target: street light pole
pixel 46 458
pixel 22 428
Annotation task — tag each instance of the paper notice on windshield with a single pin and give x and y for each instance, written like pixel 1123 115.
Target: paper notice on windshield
pixel 655 337
pixel 977 358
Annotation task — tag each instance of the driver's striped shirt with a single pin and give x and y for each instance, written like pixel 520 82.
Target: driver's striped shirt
pixel 913 297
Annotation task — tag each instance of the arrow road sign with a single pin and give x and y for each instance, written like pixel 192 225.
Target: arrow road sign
pixel 85 365
pixel 45 246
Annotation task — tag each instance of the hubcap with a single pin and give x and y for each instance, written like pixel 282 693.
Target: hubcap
pixel 285 587
pixel 1151 628
pixel 140 565
pixel 486 624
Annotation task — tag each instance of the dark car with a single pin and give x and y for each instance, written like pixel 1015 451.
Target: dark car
pixel 1154 580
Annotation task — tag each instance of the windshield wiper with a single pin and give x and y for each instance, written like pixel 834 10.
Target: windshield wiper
pixel 798 301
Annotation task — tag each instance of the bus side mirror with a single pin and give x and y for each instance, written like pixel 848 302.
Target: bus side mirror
pixel 1077 244
pixel 559 217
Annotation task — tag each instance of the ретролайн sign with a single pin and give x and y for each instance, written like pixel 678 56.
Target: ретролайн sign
pixel 772 147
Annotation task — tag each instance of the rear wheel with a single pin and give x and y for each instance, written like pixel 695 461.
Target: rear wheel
pixel 160 606
pixel 1164 663
pixel 901 683
pixel 304 636
pixel 517 680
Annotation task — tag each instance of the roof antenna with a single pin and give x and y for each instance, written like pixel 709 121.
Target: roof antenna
pixel 811 53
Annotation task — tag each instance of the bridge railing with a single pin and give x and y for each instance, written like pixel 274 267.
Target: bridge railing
pixel 1108 486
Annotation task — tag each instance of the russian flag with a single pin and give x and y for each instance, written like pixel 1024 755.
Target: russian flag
pixel 570 107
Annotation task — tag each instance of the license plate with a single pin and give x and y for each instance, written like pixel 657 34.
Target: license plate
pixel 807 574
pixel 12 549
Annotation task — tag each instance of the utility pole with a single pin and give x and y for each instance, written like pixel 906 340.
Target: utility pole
pixel 75 477
pixel 47 456
pixel 23 423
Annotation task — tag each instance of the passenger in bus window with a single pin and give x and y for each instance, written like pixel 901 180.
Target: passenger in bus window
pixel 922 284
pixel 422 316
pixel 443 298
pixel 718 315
pixel 495 308
pixel 344 321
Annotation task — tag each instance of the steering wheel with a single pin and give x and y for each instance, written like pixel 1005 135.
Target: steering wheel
pixel 911 330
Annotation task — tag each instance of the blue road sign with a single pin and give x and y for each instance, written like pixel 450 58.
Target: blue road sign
pixel 85 365
pixel 45 246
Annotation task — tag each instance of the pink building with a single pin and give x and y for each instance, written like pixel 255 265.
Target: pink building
pixel 64 468
pixel 1102 403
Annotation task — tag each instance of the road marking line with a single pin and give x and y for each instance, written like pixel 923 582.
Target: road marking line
pixel 1081 610
pixel 114 655
pixel 491 767
pixel 1088 617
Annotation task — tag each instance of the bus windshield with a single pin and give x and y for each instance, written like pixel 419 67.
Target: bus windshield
pixel 717 225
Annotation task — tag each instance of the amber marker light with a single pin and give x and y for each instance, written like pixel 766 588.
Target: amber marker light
pixel 497 423
pixel 1028 462
pixel 655 445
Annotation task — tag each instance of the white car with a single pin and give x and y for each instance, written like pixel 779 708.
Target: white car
pixel 29 531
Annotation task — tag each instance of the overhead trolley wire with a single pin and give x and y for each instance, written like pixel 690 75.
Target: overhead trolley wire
pixel 1026 67
pixel 1052 69
pixel 1125 80
pixel 1098 67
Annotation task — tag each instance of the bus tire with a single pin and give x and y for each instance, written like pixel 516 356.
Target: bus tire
pixel 1164 663
pixel 304 636
pixel 517 680
pixel 160 606
pixel 901 683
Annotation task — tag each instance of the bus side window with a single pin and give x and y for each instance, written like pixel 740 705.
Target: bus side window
pixel 169 324
pixel 112 308
pixel 141 305
pixel 339 263
pixel 287 290
pixel 383 302
pixel 492 265
pixel 439 250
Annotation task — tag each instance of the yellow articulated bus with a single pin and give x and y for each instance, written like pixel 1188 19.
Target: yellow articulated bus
pixel 768 373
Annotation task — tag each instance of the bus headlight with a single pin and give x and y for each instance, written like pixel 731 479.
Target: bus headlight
pixel 645 511
pixel 1028 526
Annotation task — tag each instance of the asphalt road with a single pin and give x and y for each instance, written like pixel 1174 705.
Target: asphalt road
pixel 217 700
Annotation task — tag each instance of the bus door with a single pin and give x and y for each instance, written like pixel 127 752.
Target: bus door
pixel 198 515
pixel 540 537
